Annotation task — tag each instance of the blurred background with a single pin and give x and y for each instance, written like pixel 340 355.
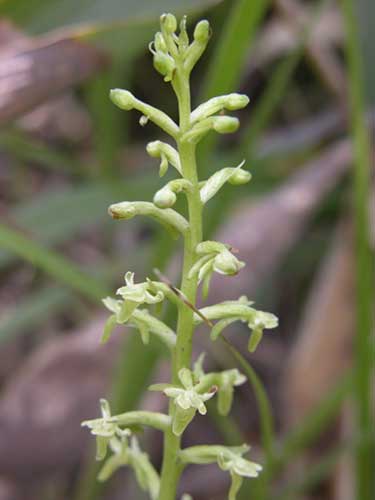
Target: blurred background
pixel 302 225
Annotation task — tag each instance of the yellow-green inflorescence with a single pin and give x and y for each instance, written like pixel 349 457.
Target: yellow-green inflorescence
pixel 174 56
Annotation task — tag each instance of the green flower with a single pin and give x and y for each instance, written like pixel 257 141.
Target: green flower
pixel 105 429
pixel 186 398
pixel 231 460
pixel 238 468
pixel 133 295
pixel 215 257
pixel 226 263
pixel 105 426
pixel 228 458
pixel 138 293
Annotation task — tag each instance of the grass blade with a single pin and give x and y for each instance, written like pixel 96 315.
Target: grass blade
pixel 364 349
pixel 54 264
pixel 314 423
pixel 34 311
pixel 322 469
pixel 109 132
pixel 76 207
pixel 227 63
pixel 275 90
pixel 25 148
pixel 315 474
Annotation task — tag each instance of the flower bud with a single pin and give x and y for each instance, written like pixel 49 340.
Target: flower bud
pixel 226 263
pixel 214 105
pixel 202 31
pixel 236 101
pixel 122 211
pixel 143 120
pixel 169 23
pixel 153 149
pixel 164 198
pixel 166 153
pixel 122 98
pixel 164 64
pixel 160 45
pixel 225 124
pixel 239 177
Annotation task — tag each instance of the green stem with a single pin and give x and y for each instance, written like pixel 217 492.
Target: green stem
pixel 171 468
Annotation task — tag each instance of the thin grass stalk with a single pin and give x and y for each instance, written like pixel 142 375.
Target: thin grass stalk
pixel 364 348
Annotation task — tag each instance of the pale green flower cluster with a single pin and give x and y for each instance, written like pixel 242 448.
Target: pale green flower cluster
pixel 110 435
pixel 137 304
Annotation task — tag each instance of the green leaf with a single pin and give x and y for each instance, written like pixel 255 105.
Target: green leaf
pixel 55 217
pixel 34 311
pixel 276 88
pixel 29 149
pixel 110 126
pixel 52 263
pixel 311 427
pixel 227 63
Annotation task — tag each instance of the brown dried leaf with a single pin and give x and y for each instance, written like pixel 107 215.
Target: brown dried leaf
pixel 32 71
pixel 322 351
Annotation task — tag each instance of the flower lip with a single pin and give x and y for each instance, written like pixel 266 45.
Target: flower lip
pixel 122 98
